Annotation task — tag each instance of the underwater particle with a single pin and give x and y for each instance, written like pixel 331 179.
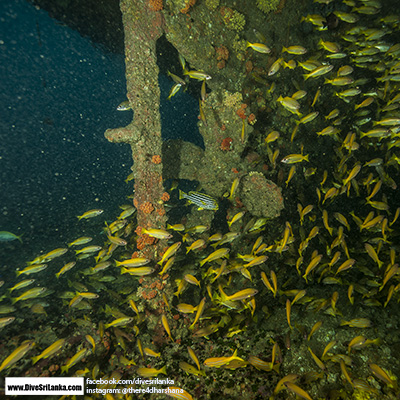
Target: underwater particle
pixel 146 207
pixel 226 144
pixel 234 20
pixel 261 197
pixel 156 159
pixel 267 6
pixel 212 4
pixel 156 5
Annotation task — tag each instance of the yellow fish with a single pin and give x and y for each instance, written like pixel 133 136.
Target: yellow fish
pixel 157 233
pixel 140 271
pixel 200 309
pixel 313 264
pixel 17 354
pixel 74 360
pixel 263 365
pixel 290 104
pixel 90 214
pixel 65 268
pixel 22 284
pixel 321 70
pixel 217 362
pixel 296 50
pixel 123 321
pixel 5 321
pixel 199 75
pixel 216 255
pixel 259 47
pixel 79 241
pixel 241 295
pixel 297 390
pixel 294 158
pixel 196 245
pixel 357 323
pixel 190 369
pixel 33 269
pixel 165 324
pixel 91 341
pixel 381 374
pixel 52 349
pixel 30 294
pixel 151 372
pixel 170 252
pixel 132 262
pixel 192 279
pixel 193 356
pixel 151 353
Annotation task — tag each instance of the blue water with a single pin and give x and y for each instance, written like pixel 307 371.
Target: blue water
pixel 179 116
pixel 58 95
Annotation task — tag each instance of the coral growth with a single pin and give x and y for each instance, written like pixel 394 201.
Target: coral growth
pixel 160 211
pixel 233 19
pixel 226 144
pixel 156 5
pixel 241 112
pixel 232 100
pixel 239 46
pixel 156 159
pixel 222 56
pixel 267 6
pixel 146 207
pixel 252 119
pixel 165 196
pixel 212 4
pixel 150 289
pixel 222 53
pixel 143 240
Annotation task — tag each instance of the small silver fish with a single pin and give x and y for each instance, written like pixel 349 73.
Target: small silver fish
pixel 124 106
pixel 9 237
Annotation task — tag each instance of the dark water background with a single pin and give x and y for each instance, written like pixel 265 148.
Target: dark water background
pixel 58 95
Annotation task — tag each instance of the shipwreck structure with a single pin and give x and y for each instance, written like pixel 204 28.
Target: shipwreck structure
pixel 225 126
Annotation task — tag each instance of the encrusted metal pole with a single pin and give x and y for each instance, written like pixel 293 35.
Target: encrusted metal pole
pixel 142 28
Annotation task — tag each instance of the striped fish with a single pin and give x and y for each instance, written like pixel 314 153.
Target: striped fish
pixel 203 201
